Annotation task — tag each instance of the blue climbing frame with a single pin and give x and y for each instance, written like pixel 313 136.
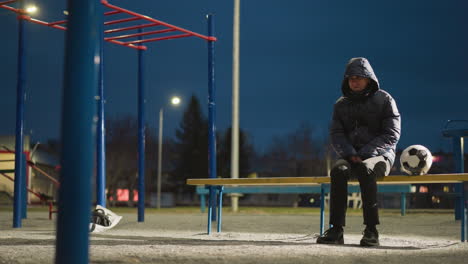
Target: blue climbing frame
pixel 167 31
pixel 82 79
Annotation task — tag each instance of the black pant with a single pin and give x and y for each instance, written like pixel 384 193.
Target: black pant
pixel 367 174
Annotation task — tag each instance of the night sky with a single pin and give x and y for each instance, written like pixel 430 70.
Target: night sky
pixel 293 55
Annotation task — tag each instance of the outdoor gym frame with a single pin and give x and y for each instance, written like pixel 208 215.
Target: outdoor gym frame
pixel 82 75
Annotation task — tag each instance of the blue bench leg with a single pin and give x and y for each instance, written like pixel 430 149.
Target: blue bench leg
pixel 322 208
pixel 464 212
pixel 210 207
pixel 220 206
pixel 403 204
pixel 213 204
pixel 459 201
pixel 202 203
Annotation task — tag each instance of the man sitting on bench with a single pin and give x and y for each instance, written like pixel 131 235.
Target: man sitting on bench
pixel 364 132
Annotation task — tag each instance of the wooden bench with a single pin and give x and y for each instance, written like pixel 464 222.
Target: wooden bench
pixel 216 188
pixel 402 189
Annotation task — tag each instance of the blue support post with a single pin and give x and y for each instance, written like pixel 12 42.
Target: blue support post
pixel 322 208
pixel 24 174
pixel 220 207
pixel 78 137
pixel 202 203
pixel 101 130
pixel 459 168
pixel 20 96
pixel 457 135
pixel 141 137
pixel 211 112
pixel 464 214
pixel 403 203
pixel 210 207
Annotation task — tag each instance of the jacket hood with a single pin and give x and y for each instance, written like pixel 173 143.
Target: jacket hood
pixel 359 67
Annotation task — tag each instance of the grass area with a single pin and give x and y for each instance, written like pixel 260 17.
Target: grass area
pixel 246 210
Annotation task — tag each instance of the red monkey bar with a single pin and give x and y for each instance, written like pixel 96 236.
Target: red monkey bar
pixel 169 31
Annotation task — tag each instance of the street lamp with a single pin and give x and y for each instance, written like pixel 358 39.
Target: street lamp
pixel 31 9
pixel 175 100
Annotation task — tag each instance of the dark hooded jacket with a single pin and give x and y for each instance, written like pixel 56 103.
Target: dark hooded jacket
pixel 366 124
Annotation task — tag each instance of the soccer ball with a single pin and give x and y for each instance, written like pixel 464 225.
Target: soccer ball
pixel 416 160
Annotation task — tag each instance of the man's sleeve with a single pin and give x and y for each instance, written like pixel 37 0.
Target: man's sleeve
pixel 338 137
pixel 391 126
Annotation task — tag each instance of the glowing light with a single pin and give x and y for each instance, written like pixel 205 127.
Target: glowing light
pixel 436 158
pixel 175 100
pixel 446 189
pixel 31 9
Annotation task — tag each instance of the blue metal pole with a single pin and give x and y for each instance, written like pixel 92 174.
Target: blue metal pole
pixel 24 190
pixel 211 110
pixel 202 203
pixel 403 204
pixel 141 138
pixel 101 131
pixel 458 154
pixel 20 96
pixel 459 168
pixel 78 137
pixel 464 212
pixel 210 207
pixel 220 207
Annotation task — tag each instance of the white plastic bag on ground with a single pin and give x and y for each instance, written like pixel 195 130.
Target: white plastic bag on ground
pixel 113 218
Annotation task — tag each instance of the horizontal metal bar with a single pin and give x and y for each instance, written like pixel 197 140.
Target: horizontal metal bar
pixel 33 20
pixel 141 34
pixel 30 190
pixel 123 20
pixel 131 27
pixel 4 6
pixel 157 39
pixel 138 47
pixel 209 38
pixel 57 22
pixel 112 13
pixel 66 21
pixel 56 182
pixel 394 188
pixel 7 2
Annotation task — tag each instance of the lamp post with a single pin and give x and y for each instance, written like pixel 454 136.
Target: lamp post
pixel 174 101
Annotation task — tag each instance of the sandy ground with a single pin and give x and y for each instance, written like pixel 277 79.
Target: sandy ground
pixel 182 238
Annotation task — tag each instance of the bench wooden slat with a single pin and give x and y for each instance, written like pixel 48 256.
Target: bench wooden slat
pixel 428 178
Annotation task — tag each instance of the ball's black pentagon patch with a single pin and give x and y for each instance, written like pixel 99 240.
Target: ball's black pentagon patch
pixel 421 164
pixel 407 166
pixel 422 154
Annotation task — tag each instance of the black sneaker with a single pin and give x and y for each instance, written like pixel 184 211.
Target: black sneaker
pixel 370 238
pixel 333 235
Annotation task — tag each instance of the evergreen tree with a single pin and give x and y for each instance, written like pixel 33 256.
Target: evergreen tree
pixel 246 153
pixel 192 146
